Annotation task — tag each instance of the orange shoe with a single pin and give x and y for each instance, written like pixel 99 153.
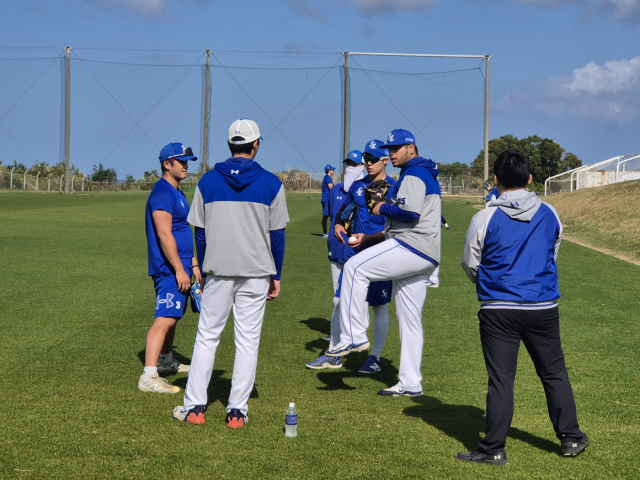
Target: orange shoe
pixel 235 418
pixel 194 416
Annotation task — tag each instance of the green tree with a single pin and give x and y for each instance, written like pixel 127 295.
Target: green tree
pixel 546 157
pixel 101 174
pixel 151 176
pixel 17 167
pixel 457 169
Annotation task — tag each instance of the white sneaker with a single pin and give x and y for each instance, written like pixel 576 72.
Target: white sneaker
pixel 156 384
pixel 173 368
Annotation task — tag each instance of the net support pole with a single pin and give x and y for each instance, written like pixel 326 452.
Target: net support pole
pixel 67 100
pixel 205 130
pixel 345 132
pixel 486 119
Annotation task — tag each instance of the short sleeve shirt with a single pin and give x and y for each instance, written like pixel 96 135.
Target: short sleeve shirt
pixel 171 200
pixel 325 188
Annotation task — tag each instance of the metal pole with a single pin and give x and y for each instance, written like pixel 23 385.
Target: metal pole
pixel 37 180
pixel 205 132
pixel 345 132
pixel 67 123
pixel 24 180
pixel 486 119
pixel 11 183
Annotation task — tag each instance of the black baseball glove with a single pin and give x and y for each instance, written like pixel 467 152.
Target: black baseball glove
pixel 375 193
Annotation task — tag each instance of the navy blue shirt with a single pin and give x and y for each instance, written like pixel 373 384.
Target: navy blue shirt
pixel 337 250
pixel 171 200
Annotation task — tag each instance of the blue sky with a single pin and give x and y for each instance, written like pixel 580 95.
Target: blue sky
pixel 563 69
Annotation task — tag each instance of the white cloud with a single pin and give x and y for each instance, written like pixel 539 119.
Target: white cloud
pixel 142 7
pixel 610 92
pixel 623 10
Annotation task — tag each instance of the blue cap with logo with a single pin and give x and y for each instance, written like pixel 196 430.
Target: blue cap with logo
pixel 374 148
pixel 398 138
pixel 328 167
pixel 355 156
pixel 177 151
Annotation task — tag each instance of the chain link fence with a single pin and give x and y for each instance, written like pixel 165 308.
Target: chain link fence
pixel 292 181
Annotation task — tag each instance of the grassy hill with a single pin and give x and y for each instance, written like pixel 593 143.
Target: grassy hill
pixel 605 217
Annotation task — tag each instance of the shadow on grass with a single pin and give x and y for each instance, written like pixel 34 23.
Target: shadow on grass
pixel 321 325
pixel 219 388
pixel 465 423
pixel 335 379
pixel 316 234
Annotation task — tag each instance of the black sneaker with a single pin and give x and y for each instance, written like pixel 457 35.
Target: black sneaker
pixel 573 447
pixel 498 458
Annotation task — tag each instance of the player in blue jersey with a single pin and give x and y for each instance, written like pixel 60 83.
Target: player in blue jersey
pixel 510 252
pixel 239 213
pixel 327 185
pixel 366 230
pixel 408 257
pixel 171 264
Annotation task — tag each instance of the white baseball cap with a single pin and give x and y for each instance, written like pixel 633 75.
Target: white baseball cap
pixel 243 131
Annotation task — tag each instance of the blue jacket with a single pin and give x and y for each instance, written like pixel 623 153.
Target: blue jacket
pixel 510 252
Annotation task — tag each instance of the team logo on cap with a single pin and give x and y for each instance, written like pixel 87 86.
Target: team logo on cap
pixel 390 138
pixel 372 144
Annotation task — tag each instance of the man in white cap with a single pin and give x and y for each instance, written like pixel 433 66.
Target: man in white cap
pixel 239 213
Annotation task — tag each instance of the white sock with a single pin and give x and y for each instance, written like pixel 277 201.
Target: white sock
pixel 380 329
pixel 149 372
pixel 166 358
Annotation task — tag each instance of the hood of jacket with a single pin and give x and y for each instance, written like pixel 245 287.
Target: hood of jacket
pixel 423 163
pixel 519 204
pixel 238 172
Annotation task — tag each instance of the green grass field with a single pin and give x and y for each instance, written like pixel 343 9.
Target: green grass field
pixel 77 303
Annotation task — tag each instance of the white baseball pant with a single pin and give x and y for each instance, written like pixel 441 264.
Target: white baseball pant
pixel 433 279
pixel 247 297
pixel 380 315
pixel 410 274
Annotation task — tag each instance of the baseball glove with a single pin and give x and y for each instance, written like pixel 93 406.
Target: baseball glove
pixel 350 217
pixel 196 297
pixel 375 193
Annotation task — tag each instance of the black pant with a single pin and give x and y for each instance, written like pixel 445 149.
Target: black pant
pixel 500 333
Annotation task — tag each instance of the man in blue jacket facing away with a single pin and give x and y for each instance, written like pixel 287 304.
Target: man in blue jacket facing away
pixel 510 253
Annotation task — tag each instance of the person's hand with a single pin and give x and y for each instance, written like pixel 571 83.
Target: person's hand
pixel 338 231
pixel 359 240
pixel 376 209
pixel 274 289
pixel 197 274
pixel 183 280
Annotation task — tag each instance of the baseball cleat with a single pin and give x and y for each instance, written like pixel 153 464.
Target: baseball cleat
pixel 573 448
pixel 498 458
pixel 156 384
pixel 371 365
pixel 342 349
pixel 173 368
pixel 236 419
pixel 194 416
pixel 325 235
pixel 324 361
pixel 396 391
pixel 327 338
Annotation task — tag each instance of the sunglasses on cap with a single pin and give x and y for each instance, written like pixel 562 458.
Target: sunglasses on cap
pixel 372 159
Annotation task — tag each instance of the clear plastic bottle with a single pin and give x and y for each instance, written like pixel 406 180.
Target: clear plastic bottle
pixel 291 425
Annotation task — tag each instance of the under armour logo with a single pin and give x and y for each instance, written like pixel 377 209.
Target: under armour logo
pixel 167 301
pixel 384 293
pixel 235 172
pixel 238 132
pixel 359 192
pixel 390 138
pixel 515 204
pixel 372 144
pixel 338 198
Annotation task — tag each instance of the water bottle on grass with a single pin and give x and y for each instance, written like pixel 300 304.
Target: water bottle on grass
pixel 291 426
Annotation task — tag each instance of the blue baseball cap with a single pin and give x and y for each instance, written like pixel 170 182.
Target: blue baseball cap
pixel 328 167
pixel 177 151
pixel 355 156
pixel 399 137
pixel 373 148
